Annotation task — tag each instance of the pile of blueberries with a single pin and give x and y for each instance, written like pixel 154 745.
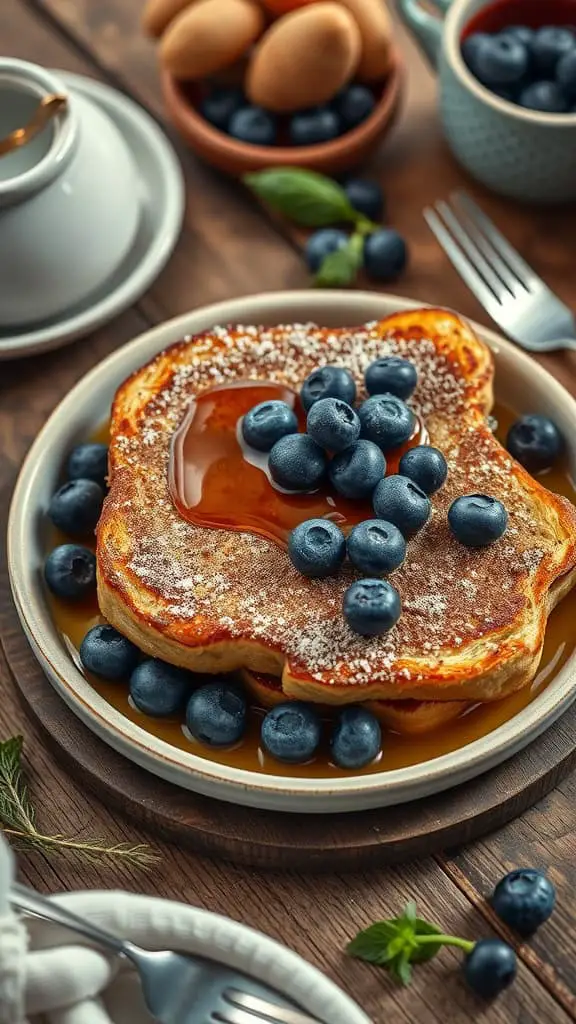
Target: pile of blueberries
pixel 347 447
pixel 535 68
pixel 229 111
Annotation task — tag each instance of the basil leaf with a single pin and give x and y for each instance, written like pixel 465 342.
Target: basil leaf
pixel 307 198
pixel 339 268
pixel 422 953
pixel 373 944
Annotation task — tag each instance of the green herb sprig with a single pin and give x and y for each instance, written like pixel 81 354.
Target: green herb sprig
pixel 18 820
pixel 315 201
pixel 399 942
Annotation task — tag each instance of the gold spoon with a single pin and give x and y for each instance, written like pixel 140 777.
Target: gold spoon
pixel 48 107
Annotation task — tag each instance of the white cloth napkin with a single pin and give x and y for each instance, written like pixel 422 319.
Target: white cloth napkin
pixel 49 977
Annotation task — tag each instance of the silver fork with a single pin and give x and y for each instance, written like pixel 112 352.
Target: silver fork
pixel 171 982
pixel 511 292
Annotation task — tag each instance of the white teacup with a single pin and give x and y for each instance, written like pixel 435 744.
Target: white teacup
pixel 520 153
pixel 69 204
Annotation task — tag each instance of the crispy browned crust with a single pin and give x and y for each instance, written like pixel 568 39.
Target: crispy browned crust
pixel 215 600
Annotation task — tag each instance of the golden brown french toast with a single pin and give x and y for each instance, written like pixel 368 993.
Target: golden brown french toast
pixel 214 599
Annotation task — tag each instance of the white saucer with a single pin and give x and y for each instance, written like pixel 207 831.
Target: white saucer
pixel 163 198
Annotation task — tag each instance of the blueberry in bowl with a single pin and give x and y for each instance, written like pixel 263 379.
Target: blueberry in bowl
pixel 353 105
pixel 159 689
pixel 535 442
pixel 216 714
pixel 544 96
pixel 108 654
pixel 291 732
pixel 70 572
pixel 317 548
pixel 253 125
pixel 76 506
pixel 219 105
pixel 356 738
pixel 88 461
pixel 310 127
pixel 497 60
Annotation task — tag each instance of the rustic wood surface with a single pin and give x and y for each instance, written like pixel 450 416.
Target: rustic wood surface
pixel 314 915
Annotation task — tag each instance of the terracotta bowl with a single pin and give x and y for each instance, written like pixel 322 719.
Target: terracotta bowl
pixel 238 158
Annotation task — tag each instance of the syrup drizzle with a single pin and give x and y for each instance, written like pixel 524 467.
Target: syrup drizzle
pixel 217 481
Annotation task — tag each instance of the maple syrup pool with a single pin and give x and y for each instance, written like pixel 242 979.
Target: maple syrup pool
pixel 73 622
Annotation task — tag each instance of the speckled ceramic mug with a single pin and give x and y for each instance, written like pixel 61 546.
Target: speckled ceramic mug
pixel 519 153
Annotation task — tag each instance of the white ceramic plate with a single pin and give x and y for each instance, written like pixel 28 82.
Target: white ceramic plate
pixel 162 196
pixel 163 924
pixel 87 406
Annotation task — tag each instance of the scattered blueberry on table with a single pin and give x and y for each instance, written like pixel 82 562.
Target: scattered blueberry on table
pixel 356 738
pixel 535 441
pixel 535 68
pixel 490 967
pixel 317 547
pixel 385 254
pixel 216 714
pixel 365 196
pixel 70 572
pixel 291 732
pixel 477 520
pixel 108 654
pixel 371 607
pixel 524 899
pixel 159 689
pixel 266 423
pixel 321 244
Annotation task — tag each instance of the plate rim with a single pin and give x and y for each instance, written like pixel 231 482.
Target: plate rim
pixel 183 768
pixel 127 291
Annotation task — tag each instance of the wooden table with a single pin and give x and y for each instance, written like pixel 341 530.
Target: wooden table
pixel 315 916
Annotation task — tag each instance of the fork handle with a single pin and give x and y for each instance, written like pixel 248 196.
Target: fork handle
pixel 31 902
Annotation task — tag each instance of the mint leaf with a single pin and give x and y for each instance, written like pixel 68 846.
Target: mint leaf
pixel 373 944
pixel 339 268
pixel 307 198
pixel 425 952
pixel 402 970
pixel 409 914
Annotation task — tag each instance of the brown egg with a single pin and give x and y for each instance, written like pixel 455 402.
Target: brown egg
pixel 158 14
pixel 304 58
pixel 209 36
pixel 376 32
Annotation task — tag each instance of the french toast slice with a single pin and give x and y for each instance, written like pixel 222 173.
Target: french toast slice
pixel 408 717
pixel 211 599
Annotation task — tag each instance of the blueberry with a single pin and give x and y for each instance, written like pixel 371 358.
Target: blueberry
pixel 566 74
pixel 522 33
pixel 392 375
pixel 328 382
pixel 216 714
pixel 355 472
pixel 366 197
pixel 106 653
pixel 266 423
pixel 549 46
pixel 400 501
pixel 477 519
pixel 371 607
pixel 297 463
pixel 88 462
pixel 159 689
pixel 471 47
pixel 321 244
pixel 376 547
pixel 426 466
pixel 353 105
pixel 309 127
pixel 544 96
pixel 356 739
pixel 219 106
pixel 333 424
pixel 317 547
pixel 490 967
pixel 253 125
pixel 535 441
pixel 75 508
pixel 70 571
pixel 291 732
pixel 498 60
pixel 524 900
pixel 385 254
pixel 387 421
